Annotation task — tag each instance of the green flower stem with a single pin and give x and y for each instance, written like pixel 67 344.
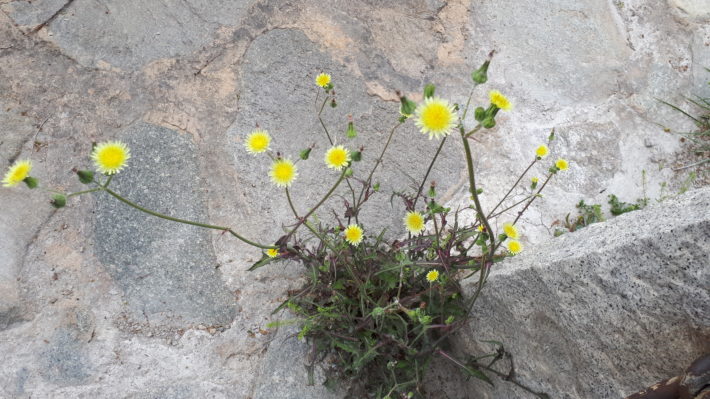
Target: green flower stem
pixel 308 225
pixel 512 187
pixel 511 207
pixel 473 189
pixel 426 175
pixel 321 119
pixel 85 192
pixel 166 217
pixel 481 215
pixel 330 192
pixel 325 129
pixel 108 181
pixel 378 161
pixel 473 131
pixel 468 102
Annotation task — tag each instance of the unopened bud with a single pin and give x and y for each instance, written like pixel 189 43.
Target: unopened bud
pixel 58 201
pixel 480 114
pixel 407 106
pixel 333 104
pixel 351 132
pixel 30 181
pixel 348 172
pixel 480 75
pixel 305 154
pixel 488 122
pixel 429 90
pixel 356 156
pixel 85 176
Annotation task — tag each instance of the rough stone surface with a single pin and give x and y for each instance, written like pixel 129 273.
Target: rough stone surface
pixel 98 301
pixel 605 311
pixel 167 271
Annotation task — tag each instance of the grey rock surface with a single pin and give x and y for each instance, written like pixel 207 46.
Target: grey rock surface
pixel 605 311
pixel 97 301
pixel 167 271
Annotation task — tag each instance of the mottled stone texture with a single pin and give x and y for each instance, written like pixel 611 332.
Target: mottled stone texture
pixel 98 300
pixel 604 311
pixel 167 271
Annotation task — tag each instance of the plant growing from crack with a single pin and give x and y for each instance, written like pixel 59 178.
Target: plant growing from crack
pixel 379 311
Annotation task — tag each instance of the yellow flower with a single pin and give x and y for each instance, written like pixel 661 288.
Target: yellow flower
pixel 17 173
pixel 337 157
pixel 110 157
pixel 257 141
pixel 534 180
pixel 561 164
pixel 323 79
pixel 435 117
pixel 515 247
pixel 283 172
pixel 480 228
pixel 272 252
pixel 510 230
pixel 500 101
pixel 432 276
pixel 353 234
pixel 542 151
pixel 414 222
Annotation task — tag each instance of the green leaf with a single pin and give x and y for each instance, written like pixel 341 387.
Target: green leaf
pixel 262 262
pixel 478 374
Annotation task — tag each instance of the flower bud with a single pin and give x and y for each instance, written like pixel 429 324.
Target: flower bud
pixel 333 104
pixel 432 190
pixel 429 90
pixel 58 201
pixel 351 132
pixel 488 122
pixel 480 114
pixel 30 181
pixel 407 106
pixel 305 154
pixel 533 183
pixel 356 156
pixel 480 75
pixel 85 176
pixel 348 172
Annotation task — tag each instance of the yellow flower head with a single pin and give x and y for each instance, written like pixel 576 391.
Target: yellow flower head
pixel 110 157
pixel 500 101
pixel 534 180
pixel 432 276
pixel 435 117
pixel 337 157
pixel 510 230
pixel 542 151
pixel 480 228
pixel 414 222
pixel 515 247
pixel 272 252
pixel 257 142
pixel 323 80
pixel 17 173
pixel 353 234
pixel 561 164
pixel 283 172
